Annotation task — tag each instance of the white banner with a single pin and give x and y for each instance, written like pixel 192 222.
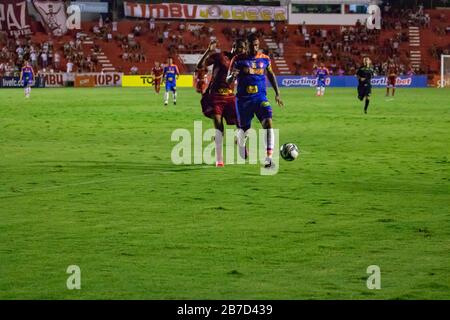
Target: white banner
pixel 201 12
pixel 53 15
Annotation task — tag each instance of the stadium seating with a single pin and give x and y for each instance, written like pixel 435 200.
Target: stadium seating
pixel 412 45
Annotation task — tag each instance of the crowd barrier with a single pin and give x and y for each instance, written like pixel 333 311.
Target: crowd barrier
pixel 115 79
pixel 350 81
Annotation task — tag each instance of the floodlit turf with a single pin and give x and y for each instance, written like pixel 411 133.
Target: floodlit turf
pixel 87 180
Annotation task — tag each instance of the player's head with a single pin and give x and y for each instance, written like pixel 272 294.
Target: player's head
pixel 27 63
pixel 170 60
pixel 367 62
pixel 157 64
pixel 253 44
pixel 322 65
pixel 239 46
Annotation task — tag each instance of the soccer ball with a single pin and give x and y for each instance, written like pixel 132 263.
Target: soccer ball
pixel 289 151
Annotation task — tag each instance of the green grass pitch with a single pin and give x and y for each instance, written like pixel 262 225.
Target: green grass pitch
pixel 86 179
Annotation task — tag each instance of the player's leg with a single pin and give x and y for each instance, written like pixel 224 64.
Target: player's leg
pixel 218 139
pixel 322 90
pixel 393 90
pixel 387 90
pixel 174 95
pixel 27 88
pixel 360 93
pixel 166 94
pixel 264 114
pixel 244 114
pixel 318 91
pixel 366 105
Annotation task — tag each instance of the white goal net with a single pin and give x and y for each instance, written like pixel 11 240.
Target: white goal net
pixel 445 71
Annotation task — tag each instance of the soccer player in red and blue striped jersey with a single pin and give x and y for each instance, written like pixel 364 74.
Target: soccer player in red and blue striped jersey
pixel 321 74
pixel 170 76
pixel 27 76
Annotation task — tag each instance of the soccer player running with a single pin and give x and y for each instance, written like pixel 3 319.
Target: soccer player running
pixel 392 73
pixel 365 74
pixel 170 76
pixel 218 100
pixel 250 70
pixel 157 74
pixel 321 74
pixel 27 76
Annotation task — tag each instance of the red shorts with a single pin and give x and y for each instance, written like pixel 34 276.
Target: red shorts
pixel 224 105
pixel 392 81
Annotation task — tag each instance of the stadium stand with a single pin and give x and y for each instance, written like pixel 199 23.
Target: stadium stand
pixel 414 39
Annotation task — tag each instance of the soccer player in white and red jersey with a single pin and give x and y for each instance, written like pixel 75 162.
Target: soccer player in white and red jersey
pixel 157 73
pixel 392 73
pixel 27 76
pixel 218 100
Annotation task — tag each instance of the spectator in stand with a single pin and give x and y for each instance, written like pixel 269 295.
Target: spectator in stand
pixel 307 41
pixel 137 30
pixel 69 66
pixel 44 59
pixel 297 66
pixel 308 56
pixel 33 58
pixel 281 48
pixel 151 24
pixel 134 70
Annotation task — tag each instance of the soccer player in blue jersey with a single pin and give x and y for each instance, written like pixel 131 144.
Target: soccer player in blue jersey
pixel 321 73
pixel 170 77
pixel 26 78
pixel 250 70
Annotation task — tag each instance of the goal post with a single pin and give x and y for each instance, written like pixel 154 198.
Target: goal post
pixel 445 71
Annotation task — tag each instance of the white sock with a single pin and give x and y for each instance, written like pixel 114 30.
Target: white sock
pixel 318 90
pixel 322 90
pixel 175 96
pixel 241 139
pixel 270 141
pixel 219 145
pixel 166 97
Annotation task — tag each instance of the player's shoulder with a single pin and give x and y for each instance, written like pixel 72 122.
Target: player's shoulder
pixel 261 55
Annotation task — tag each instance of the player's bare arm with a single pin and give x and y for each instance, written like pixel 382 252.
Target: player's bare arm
pixel 273 81
pixel 211 49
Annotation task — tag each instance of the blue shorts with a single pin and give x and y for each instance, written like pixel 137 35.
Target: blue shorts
pixel 321 83
pixel 248 107
pixel 171 86
pixel 27 82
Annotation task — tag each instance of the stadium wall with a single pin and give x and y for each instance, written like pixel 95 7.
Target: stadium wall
pixel 350 81
pixel 54 80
